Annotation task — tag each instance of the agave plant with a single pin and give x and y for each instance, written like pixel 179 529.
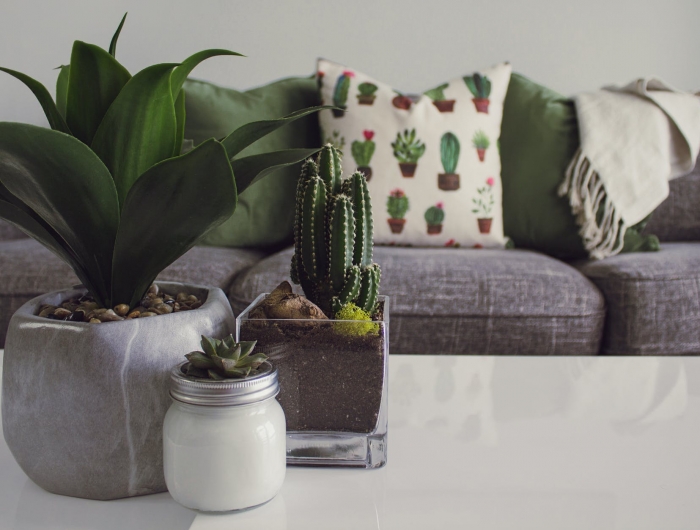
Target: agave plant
pixel 108 188
pixel 223 359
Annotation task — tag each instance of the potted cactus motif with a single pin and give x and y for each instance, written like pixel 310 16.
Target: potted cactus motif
pixel 337 141
pixel 481 143
pixel 362 153
pixel 407 150
pixel 396 207
pixel 449 155
pixel 340 93
pixel 401 102
pixel 338 327
pixel 480 87
pixel 483 204
pixel 437 94
pixel 434 216
pixel 366 94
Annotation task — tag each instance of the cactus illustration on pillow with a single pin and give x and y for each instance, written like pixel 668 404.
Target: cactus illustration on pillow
pixel 480 87
pixel 481 143
pixel 407 150
pixel 340 93
pixel 366 94
pixel 362 153
pixel 396 207
pixel 440 101
pixel 336 140
pixel 483 204
pixel 449 156
pixel 434 216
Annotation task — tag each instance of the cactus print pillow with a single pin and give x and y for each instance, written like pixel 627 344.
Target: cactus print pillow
pixel 432 162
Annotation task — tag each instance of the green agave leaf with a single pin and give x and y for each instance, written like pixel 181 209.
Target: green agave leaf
pixel 96 78
pixel 115 37
pixel 208 346
pixel 62 180
pixel 45 235
pixel 252 132
pixel 62 89
pixel 168 209
pixel 248 170
pixel 56 121
pixel 139 129
pixel 180 119
pixel 183 70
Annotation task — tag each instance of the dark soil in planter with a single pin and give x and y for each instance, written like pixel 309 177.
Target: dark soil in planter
pixel 338 113
pixel 329 381
pixel 448 181
pixel 366 100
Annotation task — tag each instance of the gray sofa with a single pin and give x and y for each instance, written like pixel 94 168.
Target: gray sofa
pixel 466 301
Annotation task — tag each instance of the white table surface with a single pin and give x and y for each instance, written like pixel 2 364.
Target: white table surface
pixel 474 442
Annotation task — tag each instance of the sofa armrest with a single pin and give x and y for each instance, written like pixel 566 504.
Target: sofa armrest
pixel 9 232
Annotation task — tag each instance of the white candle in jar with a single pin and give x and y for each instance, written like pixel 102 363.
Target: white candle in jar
pixel 224 442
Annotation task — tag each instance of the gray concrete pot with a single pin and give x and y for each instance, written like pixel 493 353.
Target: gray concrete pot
pixel 83 404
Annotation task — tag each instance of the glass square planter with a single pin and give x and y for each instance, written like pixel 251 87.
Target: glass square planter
pixel 333 385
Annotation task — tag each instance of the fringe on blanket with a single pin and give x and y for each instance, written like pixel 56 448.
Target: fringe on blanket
pixel 602 228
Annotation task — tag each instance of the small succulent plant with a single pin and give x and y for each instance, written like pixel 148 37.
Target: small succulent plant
pixel 437 93
pixel 223 359
pixel 478 85
pixel 480 140
pixel 367 89
pixel 435 215
pixel 407 148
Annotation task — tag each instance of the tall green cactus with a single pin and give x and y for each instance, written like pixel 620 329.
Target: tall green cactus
pixel 333 237
pixel 478 85
pixel 449 152
pixel 342 87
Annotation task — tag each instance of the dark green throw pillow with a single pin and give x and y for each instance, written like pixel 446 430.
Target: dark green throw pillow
pixel 539 136
pixel 265 213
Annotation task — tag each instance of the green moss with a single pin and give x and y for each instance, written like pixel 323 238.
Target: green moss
pixel 363 326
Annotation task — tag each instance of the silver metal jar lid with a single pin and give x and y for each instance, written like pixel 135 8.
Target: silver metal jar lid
pixel 224 393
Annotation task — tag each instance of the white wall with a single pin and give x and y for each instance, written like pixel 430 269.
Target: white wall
pixel 413 45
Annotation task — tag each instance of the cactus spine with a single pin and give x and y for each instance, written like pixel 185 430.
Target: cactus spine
pixel 333 237
pixel 449 152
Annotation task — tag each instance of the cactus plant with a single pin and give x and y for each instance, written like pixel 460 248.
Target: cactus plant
pixel 340 93
pixel 449 155
pixel 407 150
pixel 396 207
pixel 333 237
pixel 481 142
pixel 362 153
pixel 366 95
pixel 435 215
pixel 437 94
pixel 480 87
pixel 223 359
pixel 449 152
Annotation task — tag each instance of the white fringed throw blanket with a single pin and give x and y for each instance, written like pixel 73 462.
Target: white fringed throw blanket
pixel 634 139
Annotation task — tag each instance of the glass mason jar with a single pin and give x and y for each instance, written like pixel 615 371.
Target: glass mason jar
pixel 334 388
pixel 224 441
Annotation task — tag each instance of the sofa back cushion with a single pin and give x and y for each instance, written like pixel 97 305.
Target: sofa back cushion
pixel 8 232
pixel 678 217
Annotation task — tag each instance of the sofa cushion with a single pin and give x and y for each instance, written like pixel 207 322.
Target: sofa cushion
pixel 27 270
pixel 8 232
pixel 678 217
pixel 466 301
pixel 653 300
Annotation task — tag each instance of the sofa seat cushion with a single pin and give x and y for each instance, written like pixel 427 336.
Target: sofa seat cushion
pixel 27 270
pixel 466 301
pixel 653 300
